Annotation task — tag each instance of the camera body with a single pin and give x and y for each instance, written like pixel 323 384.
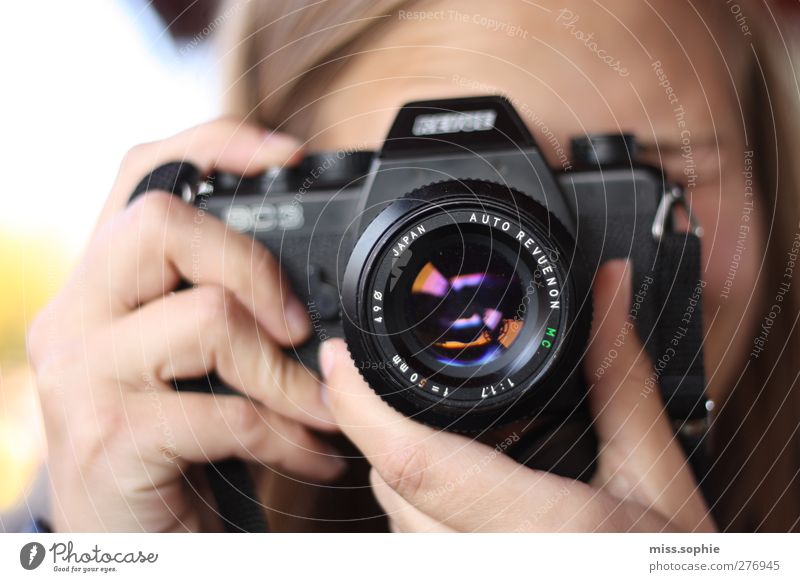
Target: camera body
pixel 458 265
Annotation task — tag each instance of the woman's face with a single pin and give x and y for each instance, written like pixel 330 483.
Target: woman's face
pixel 671 75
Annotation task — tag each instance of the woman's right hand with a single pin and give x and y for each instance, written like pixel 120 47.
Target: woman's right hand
pixel 106 349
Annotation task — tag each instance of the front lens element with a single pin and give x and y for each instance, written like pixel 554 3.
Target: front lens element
pixel 464 303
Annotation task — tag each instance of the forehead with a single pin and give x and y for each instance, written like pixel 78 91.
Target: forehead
pixel 654 69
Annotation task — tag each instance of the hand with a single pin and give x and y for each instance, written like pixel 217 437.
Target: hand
pixel 108 346
pixel 429 480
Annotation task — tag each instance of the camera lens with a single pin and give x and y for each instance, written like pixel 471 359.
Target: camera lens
pixel 459 305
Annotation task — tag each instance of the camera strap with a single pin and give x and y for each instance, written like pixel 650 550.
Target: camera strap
pixel 679 345
pixel 178 178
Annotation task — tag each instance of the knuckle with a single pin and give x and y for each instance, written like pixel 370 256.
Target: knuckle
pixel 276 370
pixel 405 469
pixel 104 428
pixel 243 269
pixel 215 306
pixel 247 261
pixel 50 377
pixel 151 209
pixel 47 332
pixel 63 370
pixel 241 416
pixel 53 372
pixel 223 123
pixel 137 155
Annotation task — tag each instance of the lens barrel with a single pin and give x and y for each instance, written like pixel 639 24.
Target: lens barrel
pixel 466 306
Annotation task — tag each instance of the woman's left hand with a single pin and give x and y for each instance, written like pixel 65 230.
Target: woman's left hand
pixel 430 480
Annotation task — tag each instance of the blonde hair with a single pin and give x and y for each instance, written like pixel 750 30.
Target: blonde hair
pixel 276 51
pixel 278 56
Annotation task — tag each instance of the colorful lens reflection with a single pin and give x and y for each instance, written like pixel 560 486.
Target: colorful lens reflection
pixel 466 305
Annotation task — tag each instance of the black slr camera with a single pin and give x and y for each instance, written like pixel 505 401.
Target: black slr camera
pixel 458 267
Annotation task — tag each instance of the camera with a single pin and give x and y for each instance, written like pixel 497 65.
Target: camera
pixel 458 266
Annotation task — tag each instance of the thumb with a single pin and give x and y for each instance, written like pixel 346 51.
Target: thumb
pixel 624 397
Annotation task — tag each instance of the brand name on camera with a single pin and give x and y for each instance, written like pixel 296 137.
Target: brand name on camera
pixel 456 122
pixel 264 217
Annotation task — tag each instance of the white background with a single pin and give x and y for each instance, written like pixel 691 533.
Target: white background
pixel 82 83
pixel 410 557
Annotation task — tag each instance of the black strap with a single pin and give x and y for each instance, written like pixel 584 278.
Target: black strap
pixel 229 480
pixel 235 494
pixel 174 177
pixel 680 327
pixel 679 341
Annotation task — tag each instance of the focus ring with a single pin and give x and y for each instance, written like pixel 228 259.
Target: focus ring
pixel 400 363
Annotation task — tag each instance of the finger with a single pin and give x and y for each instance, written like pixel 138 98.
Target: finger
pixel 616 357
pixel 403 516
pixel 160 240
pixel 191 333
pixel 639 457
pixel 459 482
pixel 227 144
pixel 165 427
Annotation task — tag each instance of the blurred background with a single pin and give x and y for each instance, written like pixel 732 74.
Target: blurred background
pixel 84 81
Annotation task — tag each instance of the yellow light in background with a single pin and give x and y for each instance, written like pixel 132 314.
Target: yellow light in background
pixel 31 271
pixel 32 268
pixel 22 442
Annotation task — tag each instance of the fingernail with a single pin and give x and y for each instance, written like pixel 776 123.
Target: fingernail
pixel 278 139
pixel 327 357
pixel 296 318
